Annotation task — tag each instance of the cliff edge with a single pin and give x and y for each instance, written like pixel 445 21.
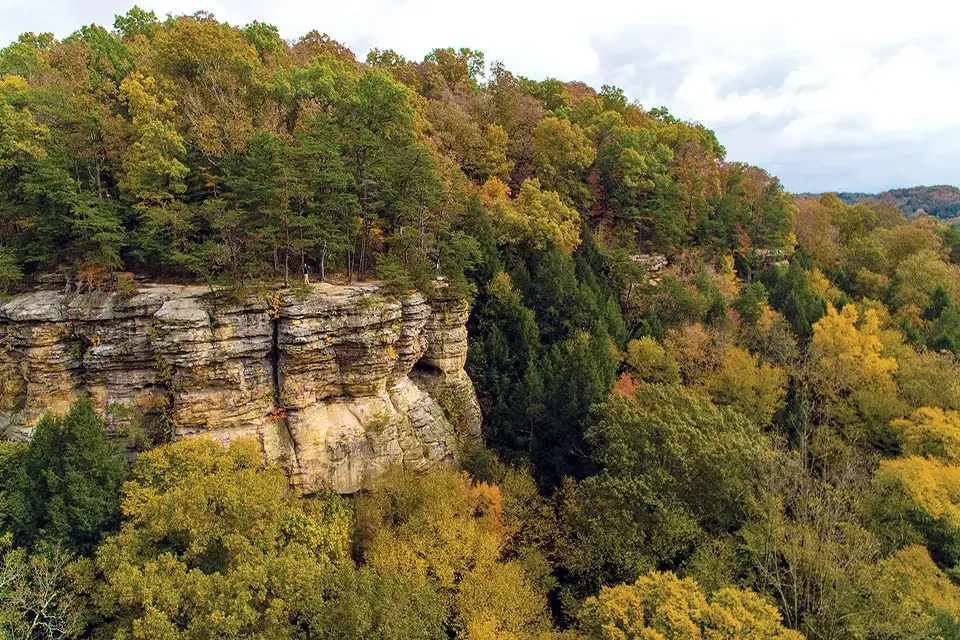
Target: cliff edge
pixel 335 382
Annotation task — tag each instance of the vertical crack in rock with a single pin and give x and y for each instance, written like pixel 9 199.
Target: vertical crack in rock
pixel 161 428
pixel 360 380
pixel 278 405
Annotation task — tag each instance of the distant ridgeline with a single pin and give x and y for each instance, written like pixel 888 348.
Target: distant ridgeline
pixel 941 201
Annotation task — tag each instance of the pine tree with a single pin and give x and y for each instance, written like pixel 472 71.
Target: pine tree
pixel 69 487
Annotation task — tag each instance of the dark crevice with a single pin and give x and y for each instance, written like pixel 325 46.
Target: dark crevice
pixel 275 362
pixel 279 411
pixel 426 368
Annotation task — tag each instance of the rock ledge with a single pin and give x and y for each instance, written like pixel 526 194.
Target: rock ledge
pixel 336 382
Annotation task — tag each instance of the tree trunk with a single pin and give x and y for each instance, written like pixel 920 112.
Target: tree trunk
pixel 323 262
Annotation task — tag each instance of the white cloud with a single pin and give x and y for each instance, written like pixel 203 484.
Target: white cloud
pixel 830 94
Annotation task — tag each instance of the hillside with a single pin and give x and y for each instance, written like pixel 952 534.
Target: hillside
pixel 299 345
pixel 941 201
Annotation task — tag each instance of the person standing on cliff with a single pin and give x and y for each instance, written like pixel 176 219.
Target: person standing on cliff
pixel 306 273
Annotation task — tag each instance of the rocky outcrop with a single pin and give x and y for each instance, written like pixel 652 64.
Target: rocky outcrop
pixel 336 383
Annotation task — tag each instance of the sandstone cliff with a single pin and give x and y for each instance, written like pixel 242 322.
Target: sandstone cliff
pixel 336 383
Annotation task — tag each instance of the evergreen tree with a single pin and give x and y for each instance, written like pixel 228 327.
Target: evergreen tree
pixel 791 295
pixel 69 486
pixel 577 374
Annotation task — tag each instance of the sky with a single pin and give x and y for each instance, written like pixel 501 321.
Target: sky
pixel 829 95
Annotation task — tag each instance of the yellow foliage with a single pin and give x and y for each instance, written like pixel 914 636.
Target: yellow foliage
pixel 755 389
pixel 560 150
pixel 870 284
pixel 726 279
pixel 811 222
pixel 933 484
pixel 660 606
pixel 152 170
pixel 21 137
pixel 208 531
pixel 904 241
pixel 495 603
pixel 443 531
pixel 928 379
pixel 692 347
pixel 648 361
pixel 931 431
pixel 145 99
pixel 539 216
pixel 848 356
pixel 274 304
pixel 919 276
pixel 922 589
pixel 822 285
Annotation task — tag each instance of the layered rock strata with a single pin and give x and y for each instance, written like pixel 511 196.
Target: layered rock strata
pixel 335 383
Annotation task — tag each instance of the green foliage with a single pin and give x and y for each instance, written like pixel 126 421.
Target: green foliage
pixel 11 470
pixel 577 374
pixel 810 552
pixel 791 295
pixel 68 489
pixel 502 359
pixel 356 603
pixel 633 516
pixel 36 598
pixel 749 303
pixel 188 149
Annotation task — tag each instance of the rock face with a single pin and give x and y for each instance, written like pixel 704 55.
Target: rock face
pixel 335 383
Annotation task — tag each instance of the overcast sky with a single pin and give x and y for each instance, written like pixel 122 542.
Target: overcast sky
pixel 828 95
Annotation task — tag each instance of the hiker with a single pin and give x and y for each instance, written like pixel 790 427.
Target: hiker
pixel 306 273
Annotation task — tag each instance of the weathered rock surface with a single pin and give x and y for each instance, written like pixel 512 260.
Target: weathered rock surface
pixel 336 383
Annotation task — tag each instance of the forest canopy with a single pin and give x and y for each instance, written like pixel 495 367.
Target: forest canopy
pixel 711 409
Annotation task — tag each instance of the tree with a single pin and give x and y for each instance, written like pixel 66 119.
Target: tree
pixel 69 485
pixel 853 376
pixel 744 383
pixel 928 379
pixel 21 136
pixel 660 605
pixel 675 471
pixel 260 187
pixel 211 537
pixel 11 469
pixel 934 501
pixel 562 153
pixel 909 596
pixel 462 66
pixel 918 278
pixel 539 217
pixel 354 603
pixel 647 360
pixel 36 599
pixel 810 551
pixel 577 374
pixel 443 531
pixel 503 362
pixel 480 151
pixel 931 432
pixel 152 170
pixel 812 225
pixel 944 331
pixel 135 22
pixel 750 302
pixel 791 295
pixel 328 217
